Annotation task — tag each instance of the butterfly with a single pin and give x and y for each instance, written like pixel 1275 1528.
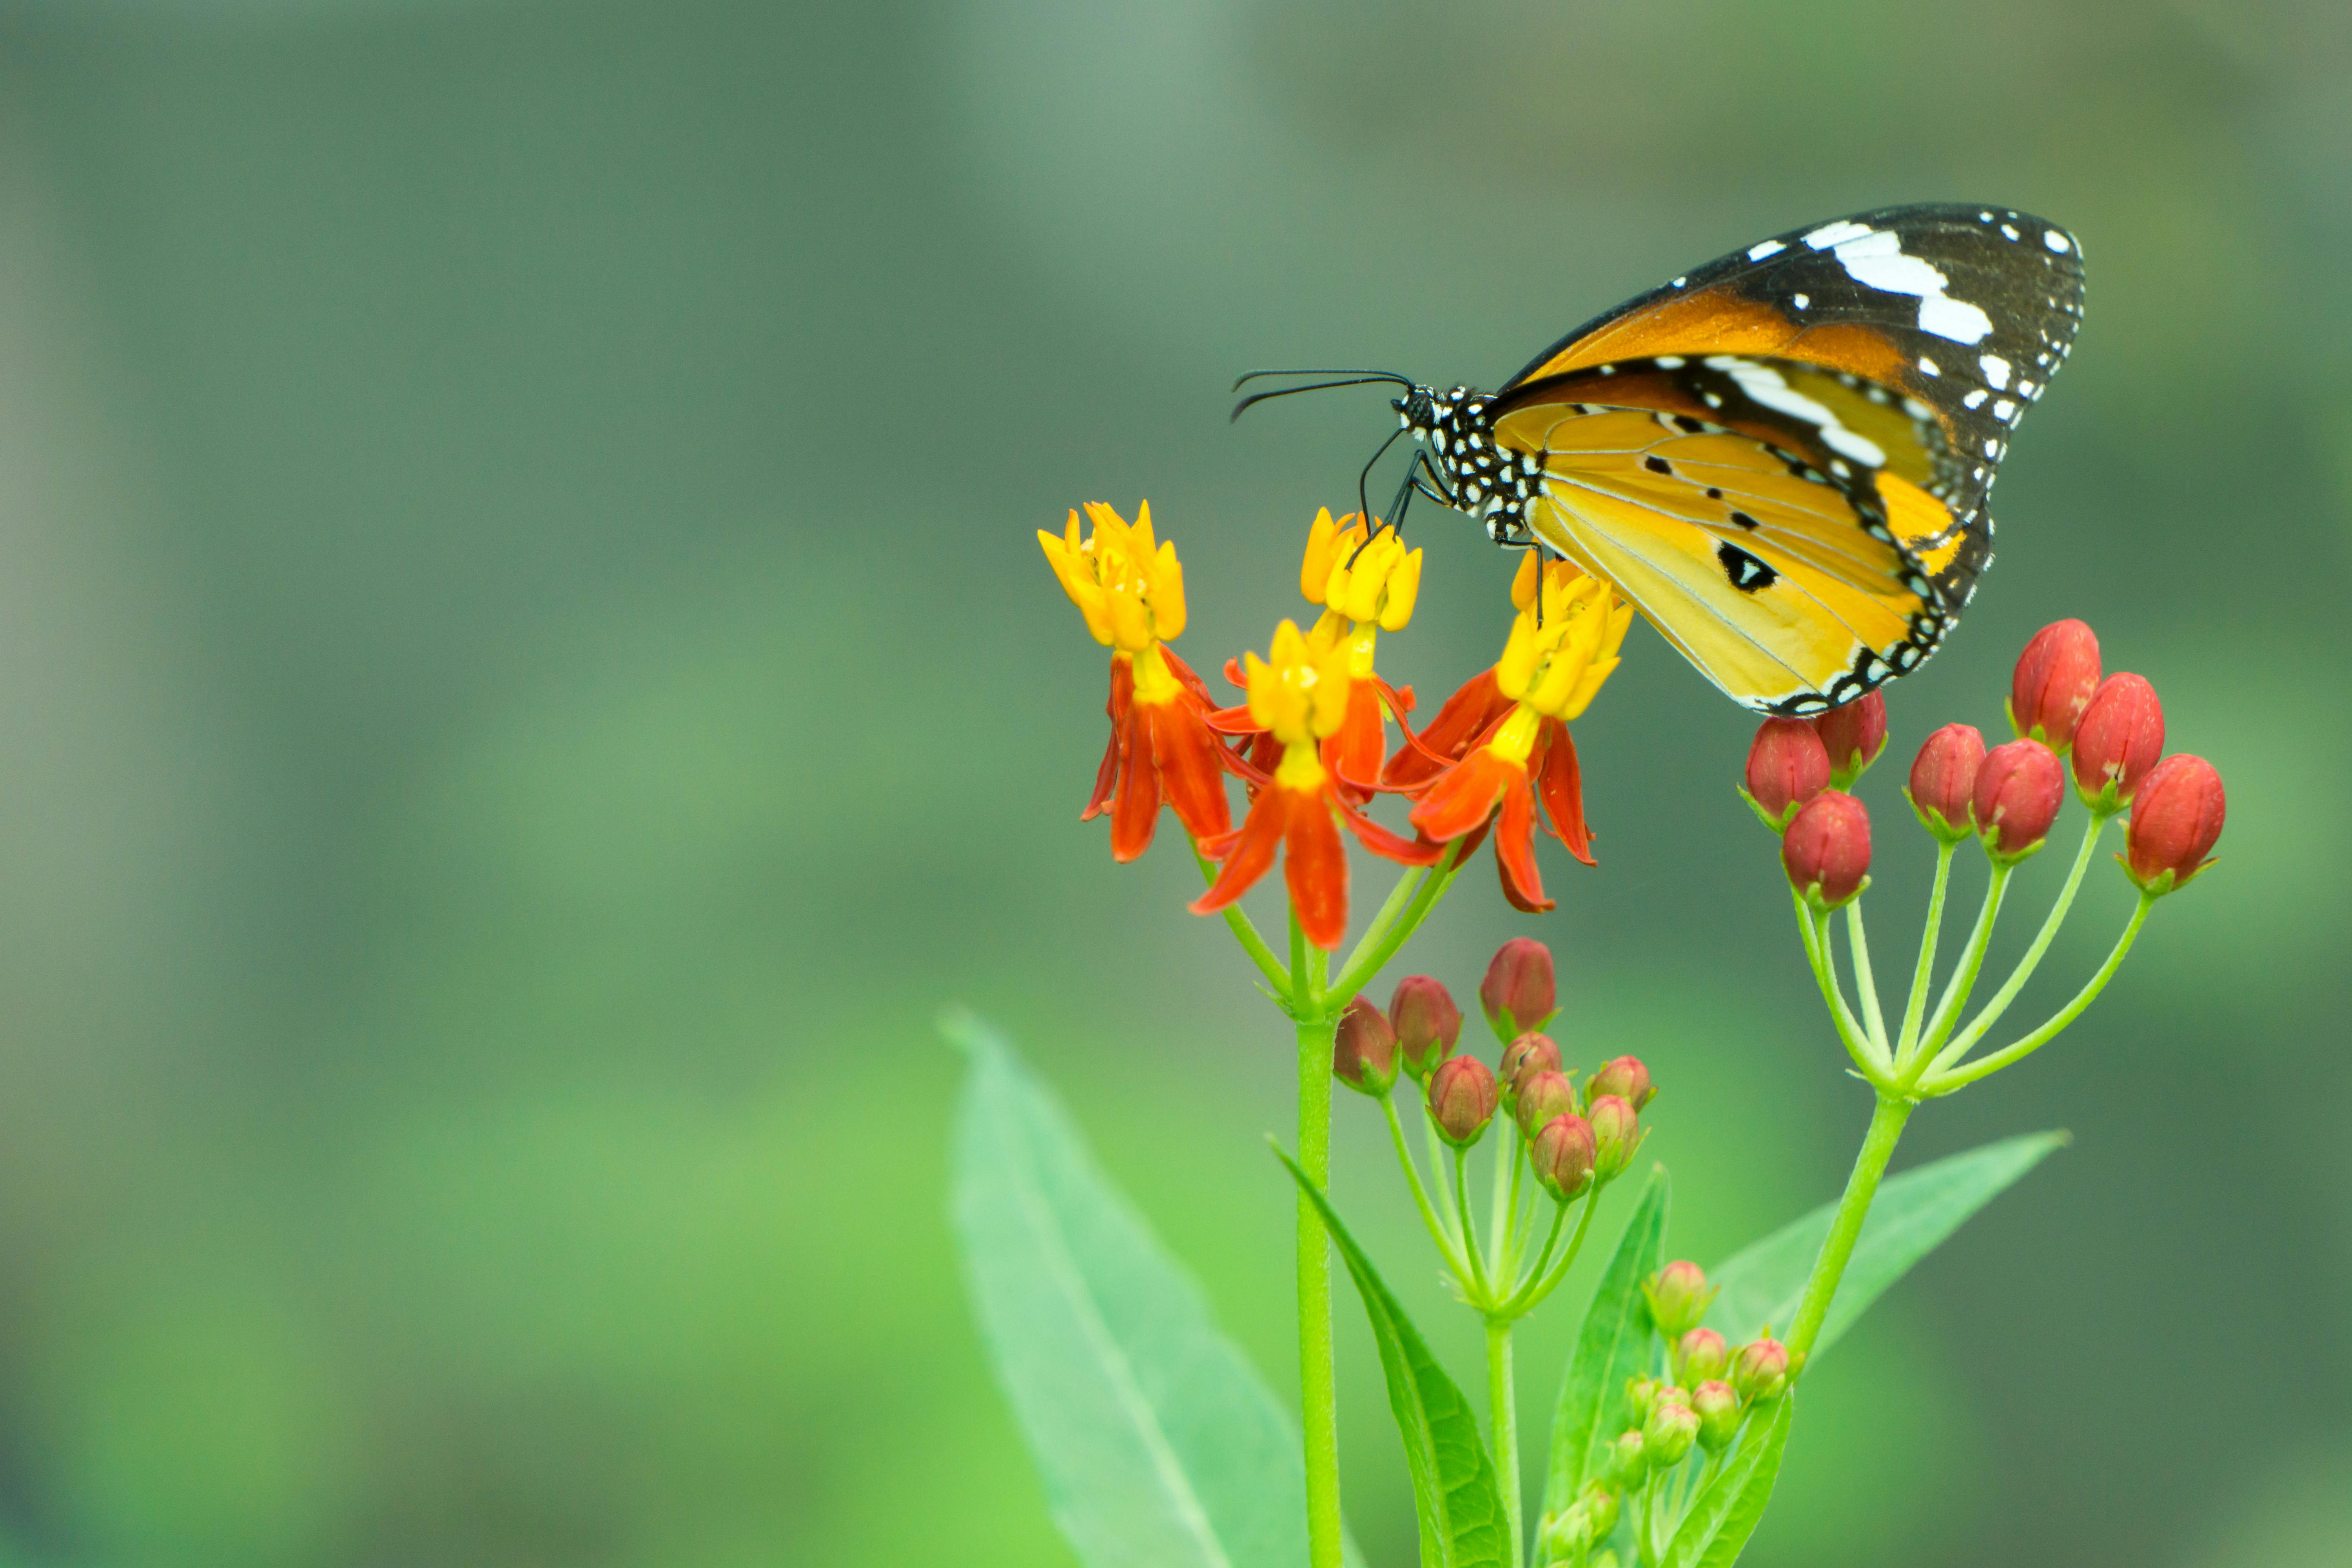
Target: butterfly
pixel 1782 458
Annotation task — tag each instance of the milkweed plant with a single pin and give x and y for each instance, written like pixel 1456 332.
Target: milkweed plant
pixel 1156 1442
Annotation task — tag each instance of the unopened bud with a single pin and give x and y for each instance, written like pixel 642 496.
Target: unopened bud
pixel 1462 1100
pixel 1518 993
pixel 1641 1392
pixel 1787 766
pixel 1562 1153
pixel 1944 781
pixel 2018 794
pixel 1700 1356
pixel 1523 1058
pixel 1826 850
pixel 1602 1559
pixel 1426 1022
pixel 1761 1369
pixel 1679 1296
pixel 1628 1461
pixel 1670 1431
pixel 1364 1050
pixel 2119 740
pixel 1542 1096
pixel 1589 1521
pixel 1616 1134
pixel 1718 1407
pixel 2175 819
pixel 1625 1078
pixel 1854 735
pixel 2052 683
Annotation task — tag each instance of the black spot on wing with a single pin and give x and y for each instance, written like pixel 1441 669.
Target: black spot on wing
pixel 1746 573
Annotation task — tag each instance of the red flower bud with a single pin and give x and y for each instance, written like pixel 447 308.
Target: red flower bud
pixel 1562 1153
pixel 1461 1098
pixel 1679 1296
pixel 1827 847
pixel 2175 819
pixel 2119 739
pixel 1616 1133
pixel 1542 1096
pixel 2017 792
pixel 1627 1079
pixel 1523 1058
pixel 1518 993
pixel 1426 1022
pixel 1854 735
pixel 1701 1355
pixel 2052 684
pixel 1761 1371
pixel 1718 1407
pixel 1364 1050
pixel 1944 781
pixel 1787 766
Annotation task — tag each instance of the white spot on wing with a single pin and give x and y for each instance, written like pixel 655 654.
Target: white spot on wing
pixel 1975 399
pixel 1765 386
pixel 1758 252
pixel 1928 366
pixel 2055 241
pixel 1954 318
pixel 1996 371
pixel 1874 258
pixel 1837 232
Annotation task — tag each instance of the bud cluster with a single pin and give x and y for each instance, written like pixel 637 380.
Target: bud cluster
pixel 1710 1388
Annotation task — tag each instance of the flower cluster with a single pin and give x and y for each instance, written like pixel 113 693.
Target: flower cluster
pixel 1309 740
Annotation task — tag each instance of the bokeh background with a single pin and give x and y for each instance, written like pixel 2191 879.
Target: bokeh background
pixel 526 680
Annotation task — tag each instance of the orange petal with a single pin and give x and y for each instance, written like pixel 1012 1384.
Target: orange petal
pixel 1190 772
pixel 1252 852
pixel 1515 853
pixel 1561 783
pixel 1135 813
pixel 1464 797
pixel 1317 870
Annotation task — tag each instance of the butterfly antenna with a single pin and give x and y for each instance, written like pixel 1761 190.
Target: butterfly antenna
pixel 1352 380
pixel 1364 502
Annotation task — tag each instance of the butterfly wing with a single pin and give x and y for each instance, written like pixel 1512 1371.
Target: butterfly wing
pixel 1849 390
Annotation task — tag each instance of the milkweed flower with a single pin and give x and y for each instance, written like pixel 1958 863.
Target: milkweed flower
pixel 1507 730
pixel 1131 589
pixel 1367 585
pixel 1299 697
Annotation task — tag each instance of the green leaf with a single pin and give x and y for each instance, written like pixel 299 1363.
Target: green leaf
pixel 1913 1214
pixel 1159 1445
pixel 1454 1486
pixel 1613 1345
pixel 1719 1523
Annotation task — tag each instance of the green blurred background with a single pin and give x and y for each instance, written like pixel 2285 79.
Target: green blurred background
pixel 526 680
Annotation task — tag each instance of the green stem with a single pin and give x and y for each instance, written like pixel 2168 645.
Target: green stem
pixel 1814 933
pixel 1358 972
pixel 1246 932
pixel 1845 1227
pixel 1438 1230
pixel 1946 1082
pixel 1399 899
pixel 1504 1407
pixel 1480 1296
pixel 1865 984
pixel 1551 1239
pixel 1924 974
pixel 1983 1022
pixel 1964 978
pixel 1529 1298
pixel 1317 1387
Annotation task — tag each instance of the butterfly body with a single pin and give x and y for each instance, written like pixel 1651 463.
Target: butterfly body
pixel 1782 458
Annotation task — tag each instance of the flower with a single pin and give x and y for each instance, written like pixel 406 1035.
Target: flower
pixel 1519 992
pixel 1787 766
pixel 1426 1022
pixel 1299 696
pixel 1854 735
pixel 1131 589
pixel 2176 818
pixel 1826 850
pixel 2119 739
pixel 1462 1100
pixel 1505 732
pixel 2052 683
pixel 1562 1153
pixel 2019 790
pixel 1367 583
pixel 1944 781
pixel 1364 1050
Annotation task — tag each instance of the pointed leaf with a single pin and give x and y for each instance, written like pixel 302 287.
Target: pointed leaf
pixel 1454 1486
pixel 1158 1443
pixel 1724 1516
pixel 1913 1214
pixel 1615 1343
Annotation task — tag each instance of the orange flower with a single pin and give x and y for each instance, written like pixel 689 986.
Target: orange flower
pixel 1367 585
pixel 1131 589
pixel 1506 731
pixel 1298 697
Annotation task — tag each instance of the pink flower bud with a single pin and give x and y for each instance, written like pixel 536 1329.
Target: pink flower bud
pixel 1517 991
pixel 1542 1096
pixel 1562 1153
pixel 1523 1058
pixel 2119 739
pixel 1426 1022
pixel 1787 766
pixel 1678 1297
pixel 2017 792
pixel 1616 1134
pixel 1461 1098
pixel 1854 735
pixel 2052 684
pixel 1672 1428
pixel 1944 781
pixel 1718 1406
pixel 1827 847
pixel 1364 1050
pixel 1700 1356
pixel 1625 1078
pixel 1761 1369
pixel 2176 818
